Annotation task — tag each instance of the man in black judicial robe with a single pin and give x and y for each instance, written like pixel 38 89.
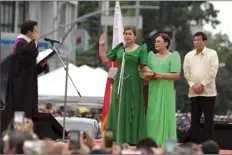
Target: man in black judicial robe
pixel 22 89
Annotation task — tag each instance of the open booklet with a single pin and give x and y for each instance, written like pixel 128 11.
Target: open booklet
pixel 44 55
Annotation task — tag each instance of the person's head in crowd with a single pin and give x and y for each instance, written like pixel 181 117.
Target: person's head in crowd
pixel 49 106
pixel 189 148
pixel 13 143
pixel 98 151
pixel 184 150
pixel 27 126
pixel 117 148
pixel 146 143
pixel 210 147
pixel 10 126
pixel 84 114
pixel 147 151
pixel 71 113
pixel 108 138
pixel 61 110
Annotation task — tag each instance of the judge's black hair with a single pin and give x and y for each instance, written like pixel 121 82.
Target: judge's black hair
pixel 28 26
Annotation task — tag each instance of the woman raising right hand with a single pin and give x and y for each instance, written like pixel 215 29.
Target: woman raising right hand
pixel 132 113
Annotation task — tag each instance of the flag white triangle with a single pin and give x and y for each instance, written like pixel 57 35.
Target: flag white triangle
pixel 117 26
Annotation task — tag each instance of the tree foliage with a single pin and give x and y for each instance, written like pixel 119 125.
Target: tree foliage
pixel 221 43
pixel 94 28
pixel 199 11
pixel 178 15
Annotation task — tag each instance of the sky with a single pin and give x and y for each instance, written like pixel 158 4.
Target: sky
pixel 224 16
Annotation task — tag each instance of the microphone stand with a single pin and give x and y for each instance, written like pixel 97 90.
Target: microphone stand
pixel 119 93
pixel 66 84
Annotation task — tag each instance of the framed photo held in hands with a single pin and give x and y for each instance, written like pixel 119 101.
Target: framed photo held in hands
pixel 112 73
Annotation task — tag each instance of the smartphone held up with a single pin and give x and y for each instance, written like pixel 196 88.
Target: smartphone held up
pixel 74 140
pixel 19 117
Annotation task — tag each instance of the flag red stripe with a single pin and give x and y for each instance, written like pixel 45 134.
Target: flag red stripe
pixel 107 99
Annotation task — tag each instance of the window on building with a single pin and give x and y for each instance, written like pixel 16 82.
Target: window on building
pixel 62 17
pixel 23 12
pixel 7 16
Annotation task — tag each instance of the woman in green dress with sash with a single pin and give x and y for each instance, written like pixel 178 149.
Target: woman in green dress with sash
pixel 132 123
pixel 166 66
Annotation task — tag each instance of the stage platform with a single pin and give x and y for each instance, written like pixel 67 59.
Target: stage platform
pixel 225 151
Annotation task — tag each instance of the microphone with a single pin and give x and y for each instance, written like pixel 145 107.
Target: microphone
pixel 52 41
pixel 124 47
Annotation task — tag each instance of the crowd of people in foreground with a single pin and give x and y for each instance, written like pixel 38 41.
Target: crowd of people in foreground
pixel 21 139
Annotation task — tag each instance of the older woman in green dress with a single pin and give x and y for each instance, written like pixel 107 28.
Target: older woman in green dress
pixel 132 124
pixel 161 120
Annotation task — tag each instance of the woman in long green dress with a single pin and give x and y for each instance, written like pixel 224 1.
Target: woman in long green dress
pixel 132 123
pixel 166 66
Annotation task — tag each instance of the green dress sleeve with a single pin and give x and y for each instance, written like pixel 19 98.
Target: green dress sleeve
pixel 143 55
pixel 175 62
pixel 112 55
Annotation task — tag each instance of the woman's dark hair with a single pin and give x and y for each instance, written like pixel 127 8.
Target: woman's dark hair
pixel 10 125
pixel 132 28
pixel 146 143
pixel 165 37
pixel 17 139
pixel 98 151
pixel 28 26
pixel 210 147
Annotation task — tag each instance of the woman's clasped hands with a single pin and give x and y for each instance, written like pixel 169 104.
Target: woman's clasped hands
pixel 152 75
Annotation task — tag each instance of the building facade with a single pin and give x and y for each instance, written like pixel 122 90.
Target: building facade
pixel 49 15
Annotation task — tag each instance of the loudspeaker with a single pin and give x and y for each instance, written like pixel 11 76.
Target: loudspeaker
pixel 46 126
pixel 221 135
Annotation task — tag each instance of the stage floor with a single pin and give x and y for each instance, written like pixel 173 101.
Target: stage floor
pixel 99 142
pixel 225 151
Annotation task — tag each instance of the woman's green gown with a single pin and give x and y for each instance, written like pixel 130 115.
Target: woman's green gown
pixel 161 119
pixel 132 123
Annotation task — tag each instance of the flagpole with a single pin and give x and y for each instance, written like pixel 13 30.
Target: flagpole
pixel 120 87
pixel 117 39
